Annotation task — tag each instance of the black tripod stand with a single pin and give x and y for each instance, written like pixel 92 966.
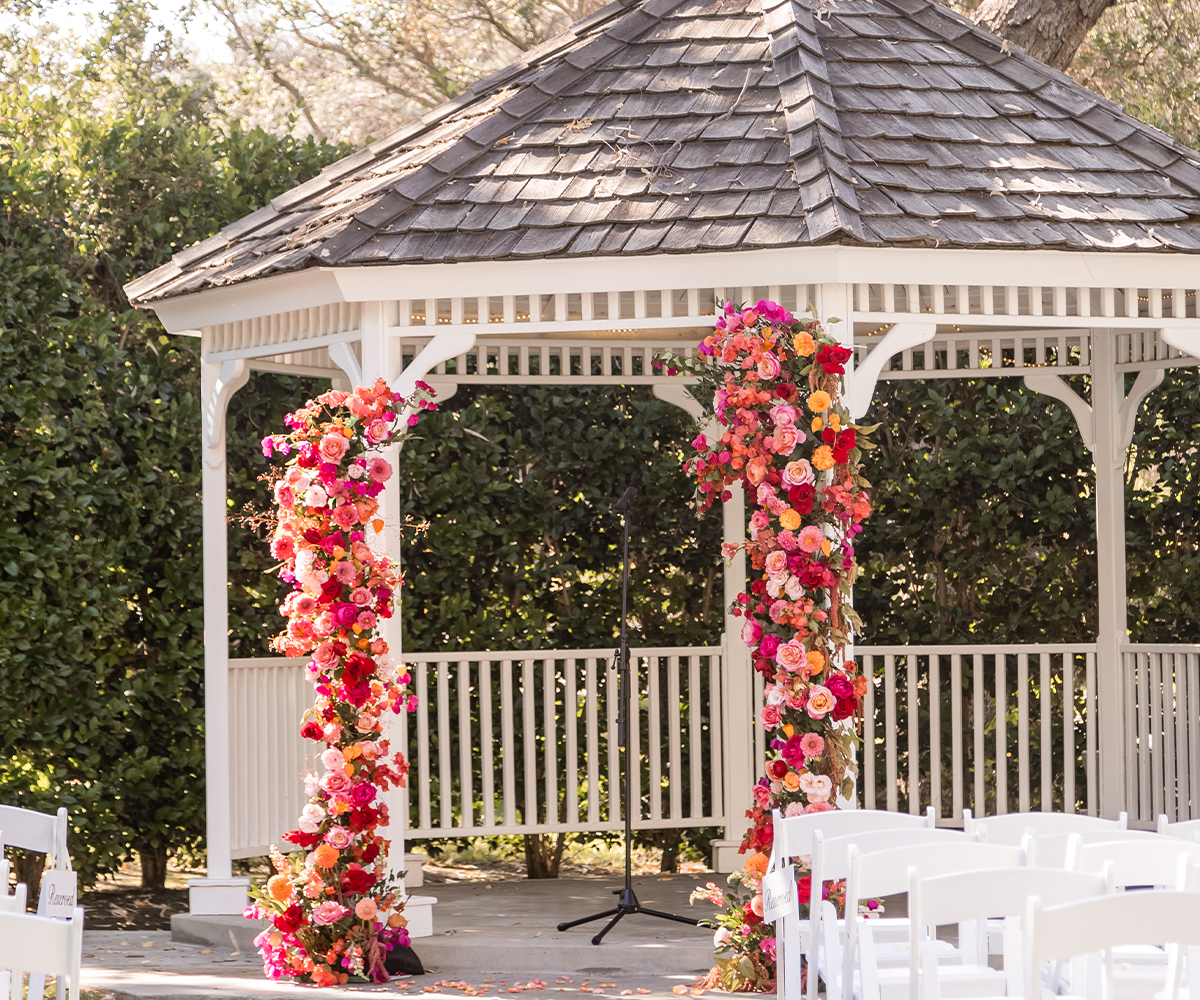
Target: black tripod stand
pixel 627 902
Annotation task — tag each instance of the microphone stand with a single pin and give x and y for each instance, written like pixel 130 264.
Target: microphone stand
pixel 627 902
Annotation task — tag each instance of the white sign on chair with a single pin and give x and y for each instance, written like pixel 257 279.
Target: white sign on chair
pixel 779 893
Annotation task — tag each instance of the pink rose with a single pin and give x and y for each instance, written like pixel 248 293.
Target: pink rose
pixel 783 416
pixel 362 794
pixel 776 562
pixel 335 781
pixel 339 837
pixel 361 596
pixel 792 656
pixel 770 716
pixel 769 645
pixel 377 431
pixel 325 656
pixel 333 448
pixel 751 633
pixel 333 759
pixel 362 552
pixel 762 796
pixel 820 702
pixel 797 473
pixel 819 807
pixel 345 515
pixel 328 913
pixel 284 496
pixel 786 439
pixel 769 367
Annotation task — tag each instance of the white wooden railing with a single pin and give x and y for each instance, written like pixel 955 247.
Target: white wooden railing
pixel 939 730
pixel 526 742
pixel 500 743
pixel 1162 731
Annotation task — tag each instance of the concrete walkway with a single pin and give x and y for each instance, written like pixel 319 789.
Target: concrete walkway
pixel 489 938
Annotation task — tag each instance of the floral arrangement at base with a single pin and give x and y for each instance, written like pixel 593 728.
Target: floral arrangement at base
pixel 334 913
pixel 776 384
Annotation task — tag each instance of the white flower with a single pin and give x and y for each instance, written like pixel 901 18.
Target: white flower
pixel 311 817
pixel 316 497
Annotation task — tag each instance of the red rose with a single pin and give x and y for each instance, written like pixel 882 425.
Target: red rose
pixel 331 590
pixel 290 920
pixel 814 575
pixel 357 879
pixel 311 731
pixel 358 665
pixel 792 753
pixel 357 693
pixel 803 888
pixel 832 359
pixel 752 918
pixel 777 770
pixel 360 819
pixel 370 853
pixel 840 686
pixel 843 709
pixel 802 498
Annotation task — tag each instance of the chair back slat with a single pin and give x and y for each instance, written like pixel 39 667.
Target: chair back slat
pixel 794 834
pixel 1011 827
pixel 1135 862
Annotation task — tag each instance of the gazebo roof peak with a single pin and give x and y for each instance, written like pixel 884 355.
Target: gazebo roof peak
pixel 684 126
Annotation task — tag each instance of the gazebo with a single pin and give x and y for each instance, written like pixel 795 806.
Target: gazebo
pixel 963 209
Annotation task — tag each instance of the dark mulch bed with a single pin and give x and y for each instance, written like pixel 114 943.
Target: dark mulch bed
pixel 132 909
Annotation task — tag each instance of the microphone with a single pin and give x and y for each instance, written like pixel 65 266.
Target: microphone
pixel 624 503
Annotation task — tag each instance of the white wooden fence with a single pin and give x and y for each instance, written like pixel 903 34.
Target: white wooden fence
pixel 501 742
pixel 1162 731
pixel 525 742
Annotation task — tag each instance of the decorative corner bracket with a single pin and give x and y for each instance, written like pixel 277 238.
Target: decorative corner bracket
pixel 344 357
pixel 678 395
pixel 1056 388
pixel 219 385
pixel 442 347
pixel 864 377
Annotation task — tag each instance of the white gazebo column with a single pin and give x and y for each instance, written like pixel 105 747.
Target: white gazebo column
pixel 737 697
pixel 381 359
pixel 218 892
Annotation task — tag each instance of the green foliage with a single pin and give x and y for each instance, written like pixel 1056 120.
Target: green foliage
pixel 105 172
pixel 522 550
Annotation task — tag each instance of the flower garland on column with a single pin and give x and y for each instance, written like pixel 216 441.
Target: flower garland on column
pixel 334 913
pixel 776 384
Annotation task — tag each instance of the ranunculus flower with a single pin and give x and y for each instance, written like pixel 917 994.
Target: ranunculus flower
pixel 333 447
pixel 820 702
pixel 328 912
pixel 776 769
pixel 365 909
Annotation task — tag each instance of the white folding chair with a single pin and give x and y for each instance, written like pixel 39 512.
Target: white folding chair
pixel 1077 931
pixel 1009 828
pixel 1188 830
pixel 35 831
pixel 971 900
pixel 41 946
pixel 885 873
pixel 793 837
pixel 830 863
pixel 1051 851
pixel 15 903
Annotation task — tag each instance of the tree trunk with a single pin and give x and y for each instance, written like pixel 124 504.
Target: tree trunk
pixel 543 854
pixel 1049 30
pixel 29 866
pixel 670 854
pixel 154 867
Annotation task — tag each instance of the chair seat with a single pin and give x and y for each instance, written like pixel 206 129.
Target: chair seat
pixel 965 981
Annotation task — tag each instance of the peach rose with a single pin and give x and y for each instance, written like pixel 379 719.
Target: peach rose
pixel 820 702
pixel 791 657
pixel 333 447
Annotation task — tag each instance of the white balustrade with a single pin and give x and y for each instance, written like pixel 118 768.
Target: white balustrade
pixel 1162 731
pixel 963 744
pixel 500 743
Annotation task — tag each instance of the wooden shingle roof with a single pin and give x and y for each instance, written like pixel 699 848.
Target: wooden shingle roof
pixel 683 126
